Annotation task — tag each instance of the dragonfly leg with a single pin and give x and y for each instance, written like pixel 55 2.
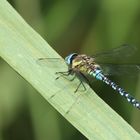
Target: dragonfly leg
pixel 66 73
pixel 62 74
pixel 81 83
pixel 73 78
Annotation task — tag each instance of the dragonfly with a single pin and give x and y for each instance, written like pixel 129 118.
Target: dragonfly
pixel 82 66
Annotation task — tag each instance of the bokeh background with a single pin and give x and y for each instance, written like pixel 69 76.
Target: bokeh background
pixel 69 26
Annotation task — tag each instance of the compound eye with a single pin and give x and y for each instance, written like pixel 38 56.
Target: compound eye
pixel 69 58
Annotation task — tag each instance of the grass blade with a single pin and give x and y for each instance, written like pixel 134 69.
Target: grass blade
pixel 21 46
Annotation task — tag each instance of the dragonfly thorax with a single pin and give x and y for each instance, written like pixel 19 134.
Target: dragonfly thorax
pixel 84 63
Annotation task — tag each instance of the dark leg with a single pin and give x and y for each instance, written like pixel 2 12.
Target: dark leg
pixel 62 74
pixel 82 79
pixel 66 73
pixel 81 83
pixel 73 78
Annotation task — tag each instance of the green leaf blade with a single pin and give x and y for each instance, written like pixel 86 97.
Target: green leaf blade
pixel 21 46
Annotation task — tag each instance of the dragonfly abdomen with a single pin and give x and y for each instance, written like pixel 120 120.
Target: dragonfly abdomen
pixel 100 76
pixel 121 91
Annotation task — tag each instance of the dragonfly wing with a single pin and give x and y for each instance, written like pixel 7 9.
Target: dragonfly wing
pixel 117 54
pixel 115 69
pixel 50 62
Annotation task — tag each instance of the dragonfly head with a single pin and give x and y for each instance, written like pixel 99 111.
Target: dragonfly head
pixel 69 58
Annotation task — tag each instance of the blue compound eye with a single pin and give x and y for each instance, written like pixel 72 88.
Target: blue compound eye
pixel 69 58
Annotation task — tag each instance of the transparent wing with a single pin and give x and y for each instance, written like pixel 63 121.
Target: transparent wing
pixel 116 69
pixel 119 54
pixel 51 62
pixel 115 61
pixel 57 64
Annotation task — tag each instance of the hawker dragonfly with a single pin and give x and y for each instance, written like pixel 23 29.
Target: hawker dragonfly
pixel 82 65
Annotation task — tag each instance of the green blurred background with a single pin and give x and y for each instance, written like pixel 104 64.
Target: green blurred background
pixel 69 26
